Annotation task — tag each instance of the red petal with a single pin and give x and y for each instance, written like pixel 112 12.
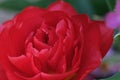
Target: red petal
pixel 91 56
pixel 61 28
pixel 2 74
pixel 6 47
pixel 76 59
pixel 15 76
pixel 41 59
pixel 25 65
pixel 23 24
pixel 78 50
pixel 107 37
pixel 62 76
pixel 40 45
pixel 57 55
pixel 81 20
pixel 62 65
pixel 62 6
pixel 12 76
pixel 51 21
pixel 36 77
pixel 14 33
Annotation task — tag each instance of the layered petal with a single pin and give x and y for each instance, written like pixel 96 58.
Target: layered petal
pixel 2 74
pixel 13 33
pixel 91 56
pixel 23 24
pixel 107 37
pixel 60 5
pixel 15 76
pixel 24 62
pixel 6 47
pixel 62 76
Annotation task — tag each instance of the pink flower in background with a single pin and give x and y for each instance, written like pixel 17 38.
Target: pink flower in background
pixel 113 18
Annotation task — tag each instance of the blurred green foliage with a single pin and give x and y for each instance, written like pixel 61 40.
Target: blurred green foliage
pixel 116 43
pixel 82 6
pixel 101 7
pixel 20 4
pixel 90 7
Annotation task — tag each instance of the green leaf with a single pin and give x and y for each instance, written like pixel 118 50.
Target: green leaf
pixel 101 7
pixel 117 36
pixel 116 43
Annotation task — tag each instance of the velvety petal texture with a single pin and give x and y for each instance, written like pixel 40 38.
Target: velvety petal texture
pixel 55 43
pixel 60 5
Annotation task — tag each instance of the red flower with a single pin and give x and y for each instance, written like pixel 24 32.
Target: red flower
pixel 52 44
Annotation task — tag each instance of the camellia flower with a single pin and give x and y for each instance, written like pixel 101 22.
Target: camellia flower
pixel 113 18
pixel 55 43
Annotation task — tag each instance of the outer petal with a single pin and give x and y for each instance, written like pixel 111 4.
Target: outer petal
pixel 2 74
pixel 11 76
pixel 22 62
pixel 81 20
pixel 107 37
pixel 23 24
pixel 14 76
pixel 62 76
pixel 62 6
pixel 51 21
pixel 14 32
pixel 4 47
pixel 91 56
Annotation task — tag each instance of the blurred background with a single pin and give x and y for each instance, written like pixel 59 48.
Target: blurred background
pixel 96 9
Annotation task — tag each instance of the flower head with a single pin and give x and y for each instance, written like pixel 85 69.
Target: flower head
pixel 55 43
